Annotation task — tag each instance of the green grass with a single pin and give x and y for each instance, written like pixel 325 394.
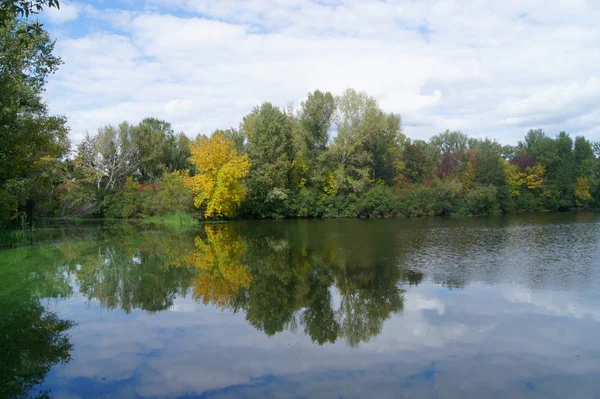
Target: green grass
pixel 16 238
pixel 19 237
pixel 175 221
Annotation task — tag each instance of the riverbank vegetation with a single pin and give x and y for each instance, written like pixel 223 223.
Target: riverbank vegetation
pixel 331 156
pixel 174 221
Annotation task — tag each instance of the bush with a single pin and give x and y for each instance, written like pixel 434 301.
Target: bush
pixel 133 201
pixel 170 195
pixel 482 200
pixel 550 199
pixel 417 201
pixel 339 206
pixel 379 201
pixel 276 203
pixel 526 201
pixel 448 197
pixel 305 203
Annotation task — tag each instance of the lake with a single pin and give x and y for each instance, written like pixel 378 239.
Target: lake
pixel 498 307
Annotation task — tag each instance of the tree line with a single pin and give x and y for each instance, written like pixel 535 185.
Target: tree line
pixel 333 156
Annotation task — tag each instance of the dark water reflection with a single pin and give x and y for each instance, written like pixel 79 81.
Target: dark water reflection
pixel 440 308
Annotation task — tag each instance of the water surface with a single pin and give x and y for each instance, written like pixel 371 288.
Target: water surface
pixel 505 307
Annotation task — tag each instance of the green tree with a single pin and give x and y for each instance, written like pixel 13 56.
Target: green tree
pixel 490 169
pixel 414 163
pixel 236 136
pixel 159 149
pixel 489 162
pixel 387 149
pixel 449 148
pixel 584 158
pixel 29 136
pixel 310 138
pixel 450 142
pixel 565 173
pixel 24 8
pixel 316 116
pixel 269 147
pixel 368 142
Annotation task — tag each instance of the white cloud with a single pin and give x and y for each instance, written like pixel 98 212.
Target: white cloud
pixel 487 68
pixel 565 102
pixel 68 12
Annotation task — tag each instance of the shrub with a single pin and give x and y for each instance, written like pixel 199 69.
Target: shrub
pixel 276 203
pixel 342 206
pixel 133 201
pixel 527 201
pixel 417 201
pixel 482 200
pixel 172 195
pixel 305 203
pixel 379 201
pixel 169 195
pixel 448 197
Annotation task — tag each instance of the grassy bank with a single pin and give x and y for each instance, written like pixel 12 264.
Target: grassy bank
pixel 16 238
pixel 175 221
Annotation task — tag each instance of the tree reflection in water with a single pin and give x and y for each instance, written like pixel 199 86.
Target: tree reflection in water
pixel 135 272
pixel 279 280
pixel 32 341
pixel 282 286
pixel 220 275
pixel 32 338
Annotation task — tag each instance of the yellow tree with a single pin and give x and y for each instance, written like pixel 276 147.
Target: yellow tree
pixel 468 176
pixel 582 190
pixel 331 186
pixel 535 177
pixel 217 185
pixel 515 178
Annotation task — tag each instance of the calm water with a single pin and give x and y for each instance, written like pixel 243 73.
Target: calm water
pixel 504 307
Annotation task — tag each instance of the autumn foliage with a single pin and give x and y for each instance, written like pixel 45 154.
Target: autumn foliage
pixel 217 186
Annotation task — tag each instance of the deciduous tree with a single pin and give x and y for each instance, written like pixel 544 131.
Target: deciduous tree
pixel 110 156
pixel 217 186
pixel 28 133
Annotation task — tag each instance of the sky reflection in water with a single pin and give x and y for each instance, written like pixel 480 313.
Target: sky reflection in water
pixel 440 308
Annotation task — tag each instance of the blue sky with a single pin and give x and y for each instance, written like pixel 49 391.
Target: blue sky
pixel 490 69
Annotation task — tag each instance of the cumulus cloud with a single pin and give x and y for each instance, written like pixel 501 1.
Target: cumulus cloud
pixel 490 69
pixel 68 12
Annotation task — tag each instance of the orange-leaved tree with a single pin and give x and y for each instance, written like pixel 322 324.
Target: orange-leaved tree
pixel 217 186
